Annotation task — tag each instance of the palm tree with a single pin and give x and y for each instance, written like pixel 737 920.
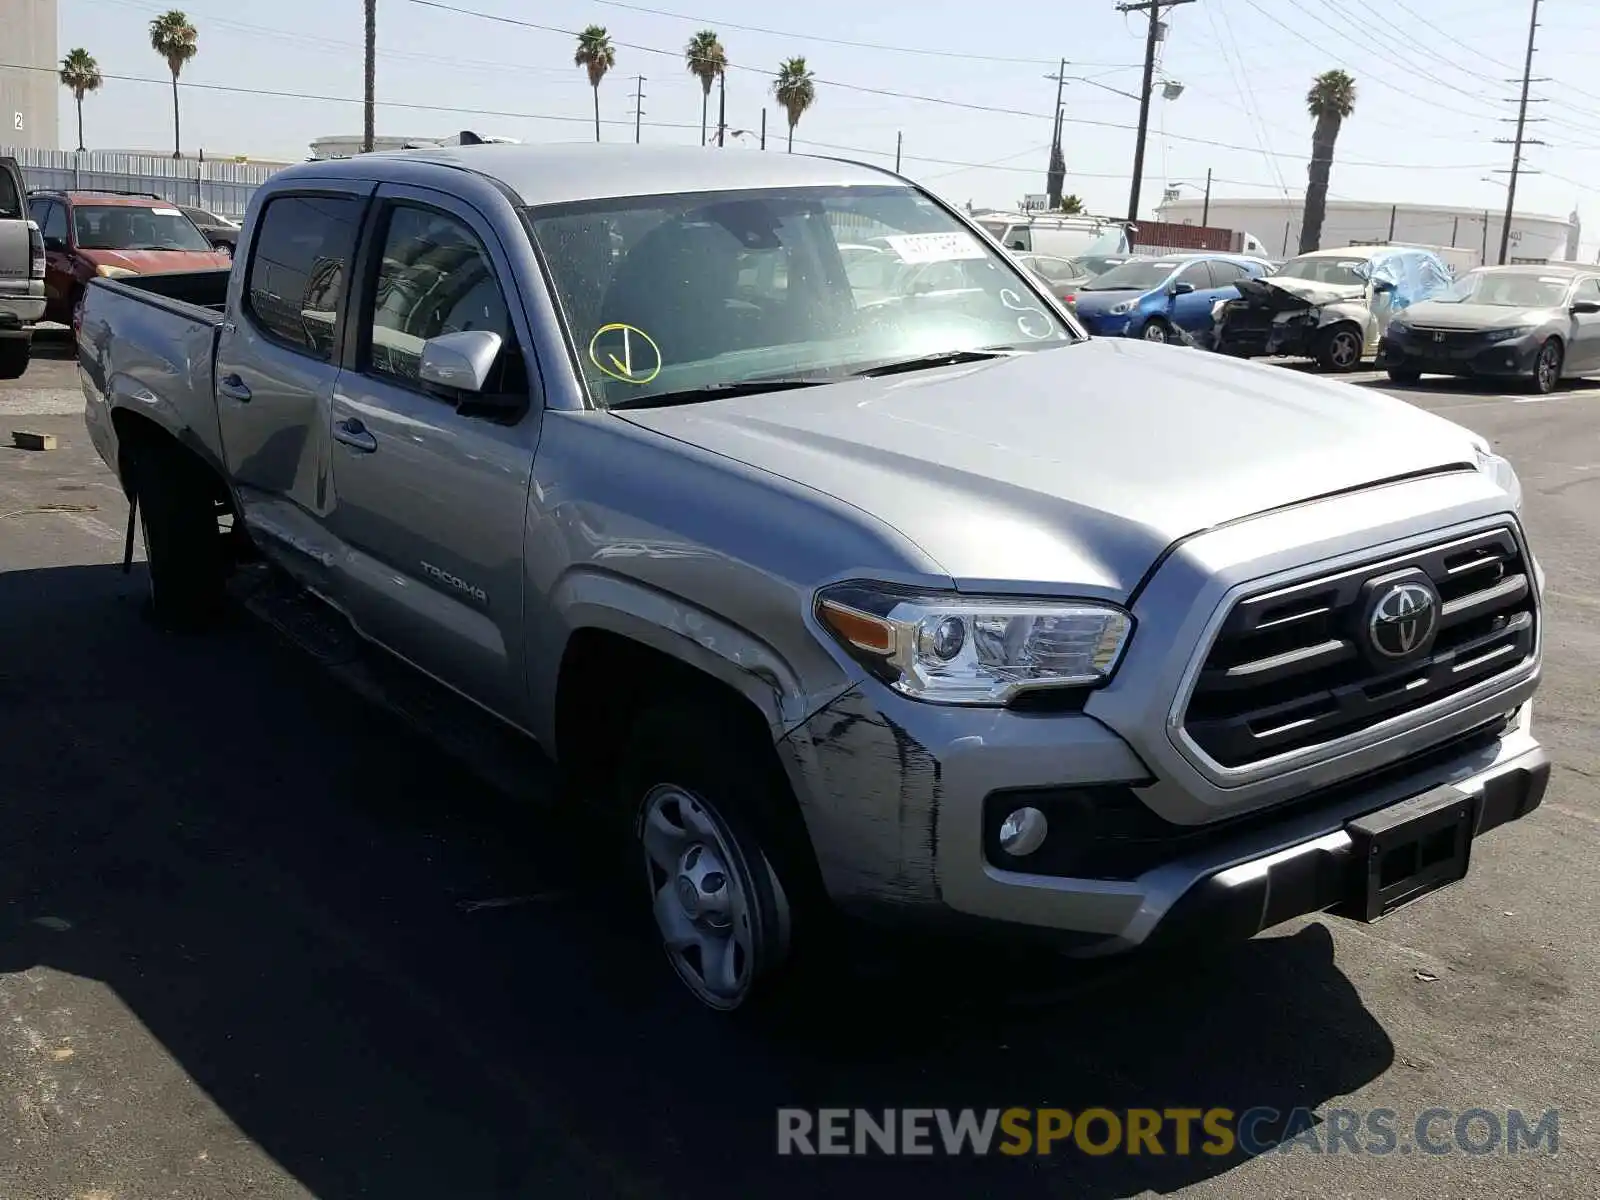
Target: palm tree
pixel 369 118
pixel 176 40
pixel 796 90
pixel 1331 99
pixel 80 75
pixel 707 61
pixel 596 55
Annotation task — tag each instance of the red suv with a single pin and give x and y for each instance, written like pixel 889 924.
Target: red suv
pixel 110 234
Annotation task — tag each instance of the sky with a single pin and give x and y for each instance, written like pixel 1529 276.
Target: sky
pixel 964 87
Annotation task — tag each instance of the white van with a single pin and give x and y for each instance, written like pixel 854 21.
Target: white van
pixel 1059 236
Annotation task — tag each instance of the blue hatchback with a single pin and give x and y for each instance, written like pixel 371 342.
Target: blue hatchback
pixel 1152 298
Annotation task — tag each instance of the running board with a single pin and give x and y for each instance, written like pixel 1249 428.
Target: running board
pixel 502 757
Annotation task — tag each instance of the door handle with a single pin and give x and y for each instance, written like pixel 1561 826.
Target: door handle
pixel 234 388
pixel 354 434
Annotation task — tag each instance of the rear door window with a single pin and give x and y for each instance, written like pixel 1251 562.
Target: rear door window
pixel 298 266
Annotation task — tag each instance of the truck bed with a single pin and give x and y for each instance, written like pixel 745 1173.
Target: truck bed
pixel 151 341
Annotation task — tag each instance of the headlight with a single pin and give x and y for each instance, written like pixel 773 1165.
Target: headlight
pixel 1505 335
pixel 113 272
pixel 1120 310
pixel 1501 471
pixel 949 649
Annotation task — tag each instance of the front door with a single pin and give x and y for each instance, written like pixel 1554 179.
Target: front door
pixel 277 361
pixel 1583 355
pixel 430 499
pixel 59 280
pixel 1192 310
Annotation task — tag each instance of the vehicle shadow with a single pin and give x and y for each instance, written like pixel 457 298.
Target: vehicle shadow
pixel 54 342
pixel 285 889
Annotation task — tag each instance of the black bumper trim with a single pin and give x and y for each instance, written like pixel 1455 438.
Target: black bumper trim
pixel 1237 903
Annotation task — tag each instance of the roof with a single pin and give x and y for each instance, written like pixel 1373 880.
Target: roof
pixel 1550 268
pixel 90 196
pixel 1363 251
pixel 566 172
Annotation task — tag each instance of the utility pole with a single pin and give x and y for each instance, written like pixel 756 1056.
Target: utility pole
pixel 1205 209
pixel 1519 141
pixel 763 126
pixel 1055 176
pixel 722 107
pixel 899 140
pixel 638 106
pixel 1154 9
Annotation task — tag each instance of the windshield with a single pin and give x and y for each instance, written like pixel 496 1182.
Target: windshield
pixel 1345 271
pixel 1522 290
pixel 127 227
pixel 709 290
pixel 1140 276
pixel 1099 264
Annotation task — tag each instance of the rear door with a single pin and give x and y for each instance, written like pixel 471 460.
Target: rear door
pixel 15 253
pixel 276 364
pixel 431 495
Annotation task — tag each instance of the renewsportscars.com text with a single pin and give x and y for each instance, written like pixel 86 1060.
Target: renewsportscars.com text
pixel 1217 1132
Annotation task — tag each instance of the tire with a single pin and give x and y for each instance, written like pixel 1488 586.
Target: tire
pixel 183 547
pixel 14 356
pixel 704 820
pixel 1547 366
pixel 1405 375
pixel 1155 330
pixel 1339 350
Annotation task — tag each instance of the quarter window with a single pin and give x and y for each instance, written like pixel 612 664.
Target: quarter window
pixel 298 266
pixel 434 279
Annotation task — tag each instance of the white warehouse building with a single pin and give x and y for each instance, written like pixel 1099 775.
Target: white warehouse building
pixel 1534 238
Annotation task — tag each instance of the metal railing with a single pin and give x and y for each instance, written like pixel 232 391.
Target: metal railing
pixel 223 188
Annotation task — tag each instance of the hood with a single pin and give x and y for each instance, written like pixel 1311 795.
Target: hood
pixel 152 262
pixel 1436 315
pixel 1098 302
pixel 1078 465
pixel 1288 294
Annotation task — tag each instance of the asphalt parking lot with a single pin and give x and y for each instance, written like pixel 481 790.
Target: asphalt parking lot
pixel 259 942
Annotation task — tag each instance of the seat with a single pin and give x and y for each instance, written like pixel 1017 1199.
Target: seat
pixel 674 286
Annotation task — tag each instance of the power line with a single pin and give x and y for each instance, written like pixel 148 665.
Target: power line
pixel 832 41
pixel 965 105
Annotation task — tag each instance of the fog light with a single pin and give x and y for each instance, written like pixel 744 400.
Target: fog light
pixel 1023 832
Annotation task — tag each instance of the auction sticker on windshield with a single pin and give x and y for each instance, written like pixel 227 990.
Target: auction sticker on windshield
pixel 166 212
pixel 920 248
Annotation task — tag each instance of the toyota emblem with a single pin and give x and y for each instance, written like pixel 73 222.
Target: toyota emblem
pixel 1404 620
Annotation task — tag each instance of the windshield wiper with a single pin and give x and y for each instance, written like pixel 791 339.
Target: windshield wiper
pixel 942 358
pixel 719 391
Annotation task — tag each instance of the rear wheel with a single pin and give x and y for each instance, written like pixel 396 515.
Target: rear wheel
pixel 182 545
pixel 702 810
pixel 1340 349
pixel 1547 367
pixel 1404 375
pixel 14 355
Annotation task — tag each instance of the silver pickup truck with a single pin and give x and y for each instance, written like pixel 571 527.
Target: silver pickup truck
pixel 870 589
pixel 22 264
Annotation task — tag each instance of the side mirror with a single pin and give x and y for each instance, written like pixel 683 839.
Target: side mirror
pixel 1585 307
pixel 459 361
pixel 57 244
pixel 1182 288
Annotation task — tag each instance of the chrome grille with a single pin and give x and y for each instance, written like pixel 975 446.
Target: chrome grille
pixel 1294 668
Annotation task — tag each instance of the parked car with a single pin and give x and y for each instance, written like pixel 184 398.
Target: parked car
pixel 1062 276
pixel 1330 306
pixel 1156 298
pixel 110 235
pixel 1539 323
pixel 932 611
pixel 21 274
pixel 221 232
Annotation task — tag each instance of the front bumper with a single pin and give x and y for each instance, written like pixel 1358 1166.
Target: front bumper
pixel 899 797
pixel 1104 324
pixel 1470 357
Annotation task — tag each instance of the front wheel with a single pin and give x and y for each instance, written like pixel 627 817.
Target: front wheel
pixel 1547 367
pixel 1340 350
pixel 14 356
pixel 701 809
pixel 1155 330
